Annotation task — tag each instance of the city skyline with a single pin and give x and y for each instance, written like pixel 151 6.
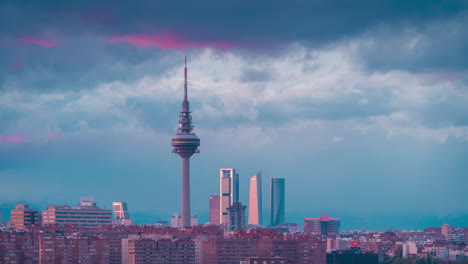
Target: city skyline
pixel 360 106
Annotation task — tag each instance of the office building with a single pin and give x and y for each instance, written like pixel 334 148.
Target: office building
pixel 323 225
pixel 185 144
pixel 277 201
pixel 255 200
pixel 228 192
pixel 214 209
pixel 236 215
pixel 121 214
pixel 85 214
pixel 23 216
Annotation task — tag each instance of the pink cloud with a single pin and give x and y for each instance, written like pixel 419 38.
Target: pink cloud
pixel 12 139
pixel 54 134
pixel 38 41
pixel 170 41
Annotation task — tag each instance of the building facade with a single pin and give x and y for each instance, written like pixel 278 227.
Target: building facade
pixel 255 200
pixel 236 215
pixel 446 231
pixel 23 216
pixel 176 221
pixel 214 209
pixel 121 213
pixel 228 192
pixel 85 214
pixel 146 250
pixel 277 201
pixel 323 225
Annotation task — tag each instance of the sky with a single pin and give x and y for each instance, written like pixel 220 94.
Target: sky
pixel 362 106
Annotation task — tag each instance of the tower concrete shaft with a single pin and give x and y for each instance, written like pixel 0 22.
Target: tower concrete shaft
pixel 185 144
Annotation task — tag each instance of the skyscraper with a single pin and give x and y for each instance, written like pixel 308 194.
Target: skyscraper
pixel 214 209
pixel 255 200
pixel 121 214
pixel 120 210
pixel 276 201
pixel 228 192
pixel 185 144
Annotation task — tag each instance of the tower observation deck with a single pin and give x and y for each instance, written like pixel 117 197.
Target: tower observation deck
pixel 185 144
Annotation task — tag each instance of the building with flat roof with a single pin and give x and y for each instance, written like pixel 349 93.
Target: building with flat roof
pixel 214 209
pixel 147 250
pixel 236 215
pixel 176 221
pixel 323 225
pixel 23 216
pixel 85 214
pixel 446 231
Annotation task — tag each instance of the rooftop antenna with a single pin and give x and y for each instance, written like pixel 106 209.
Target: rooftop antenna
pixel 185 80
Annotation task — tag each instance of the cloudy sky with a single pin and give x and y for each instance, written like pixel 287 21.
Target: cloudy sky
pixel 361 105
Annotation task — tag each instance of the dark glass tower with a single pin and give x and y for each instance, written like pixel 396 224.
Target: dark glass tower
pixel 276 201
pixel 185 144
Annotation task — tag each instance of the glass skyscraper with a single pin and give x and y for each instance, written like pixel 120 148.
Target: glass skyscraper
pixel 277 193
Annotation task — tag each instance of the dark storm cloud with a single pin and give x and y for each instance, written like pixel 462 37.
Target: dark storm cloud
pixel 267 22
pixel 76 64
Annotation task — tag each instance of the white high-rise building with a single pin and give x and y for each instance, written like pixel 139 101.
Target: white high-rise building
pixel 228 192
pixel 255 200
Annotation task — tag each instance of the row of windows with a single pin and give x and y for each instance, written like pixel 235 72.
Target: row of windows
pixel 85 217
pixel 77 213
pixel 81 221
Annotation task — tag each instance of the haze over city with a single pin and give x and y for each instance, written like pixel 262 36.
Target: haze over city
pixel 360 105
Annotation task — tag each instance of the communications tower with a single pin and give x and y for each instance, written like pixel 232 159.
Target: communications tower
pixel 185 144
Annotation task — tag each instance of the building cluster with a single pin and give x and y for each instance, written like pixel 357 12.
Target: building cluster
pixel 149 244
pixel 444 243
pixel 86 214
pixel 111 243
pixel 227 211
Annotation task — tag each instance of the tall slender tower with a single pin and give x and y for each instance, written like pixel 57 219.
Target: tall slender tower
pixel 228 192
pixel 276 201
pixel 185 143
pixel 255 200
